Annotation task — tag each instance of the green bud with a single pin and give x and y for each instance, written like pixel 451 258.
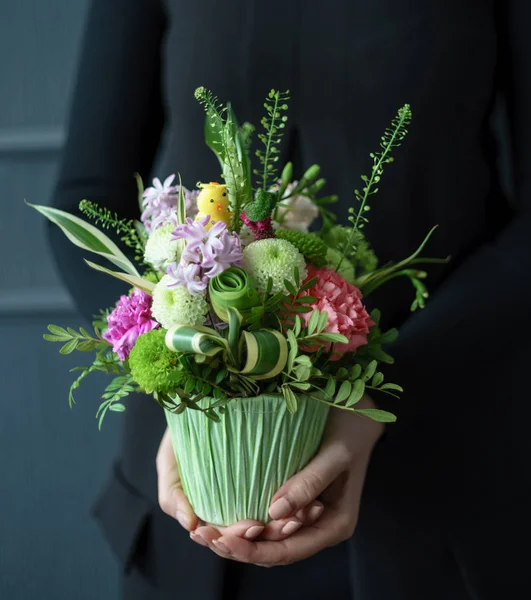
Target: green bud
pixel 285 178
pixel 311 174
pixel 317 187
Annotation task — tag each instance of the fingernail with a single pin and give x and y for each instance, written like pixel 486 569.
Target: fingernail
pixel 315 512
pixel 280 508
pixel 253 532
pixel 195 537
pixel 221 546
pixel 184 519
pixel 290 527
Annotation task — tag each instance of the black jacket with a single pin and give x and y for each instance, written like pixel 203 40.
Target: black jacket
pixel 447 492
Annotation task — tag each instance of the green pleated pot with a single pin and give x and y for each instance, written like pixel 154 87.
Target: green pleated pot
pixel 231 470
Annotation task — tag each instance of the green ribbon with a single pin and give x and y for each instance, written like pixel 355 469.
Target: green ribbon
pixel 233 289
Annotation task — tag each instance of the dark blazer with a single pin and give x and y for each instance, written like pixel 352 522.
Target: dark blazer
pixel 445 504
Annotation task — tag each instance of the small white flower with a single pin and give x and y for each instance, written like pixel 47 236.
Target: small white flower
pixel 161 250
pixel 297 212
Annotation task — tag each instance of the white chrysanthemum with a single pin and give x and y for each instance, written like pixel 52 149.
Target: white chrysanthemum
pixel 273 259
pixel 161 250
pixel 175 305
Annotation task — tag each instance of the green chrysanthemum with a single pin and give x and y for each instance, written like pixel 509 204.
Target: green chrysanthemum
pixel 153 366
pixel 273 259
pixel 175 305
pixel 310 245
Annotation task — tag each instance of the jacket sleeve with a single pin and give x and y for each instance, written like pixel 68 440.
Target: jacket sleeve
pixel 114 131
pixel 468 349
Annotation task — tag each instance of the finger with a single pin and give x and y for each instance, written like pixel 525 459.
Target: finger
pixel 208 536
pixel 248 529
pixel 332 528
pixel 335 525
pixel 282 528
pixel 171 496
pixel 304 487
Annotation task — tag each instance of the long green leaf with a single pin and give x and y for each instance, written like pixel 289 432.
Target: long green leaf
pixel 377 415
pixel 87 237
pixel 134 280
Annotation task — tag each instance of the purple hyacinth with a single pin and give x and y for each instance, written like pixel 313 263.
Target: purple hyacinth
pixel 208 252
pixel 160 203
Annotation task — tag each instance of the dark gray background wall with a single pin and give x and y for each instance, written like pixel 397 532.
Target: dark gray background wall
pixel 52 459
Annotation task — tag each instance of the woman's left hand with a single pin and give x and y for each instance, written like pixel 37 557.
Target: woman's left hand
pixel 334 478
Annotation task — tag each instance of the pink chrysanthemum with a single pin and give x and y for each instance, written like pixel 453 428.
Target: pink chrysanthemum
pixel 342 301
pixel 130 318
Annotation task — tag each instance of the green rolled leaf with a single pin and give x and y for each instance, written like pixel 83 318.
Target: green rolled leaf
pixel 266 353
pixel 195 339
pixel 235 289
pixel 87 237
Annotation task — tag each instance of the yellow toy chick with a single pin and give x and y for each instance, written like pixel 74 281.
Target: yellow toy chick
pixel 213 201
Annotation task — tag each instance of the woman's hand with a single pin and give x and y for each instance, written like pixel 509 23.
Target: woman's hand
pixel 175 504
pixel 316 508
pixel 335 476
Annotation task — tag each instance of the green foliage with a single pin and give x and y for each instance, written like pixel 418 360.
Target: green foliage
pixel 130 233
pixel 99 321
pixel 392 138
pixel 284 304
pixel 206 387
pixel 105 362
pixel 310 245
pixel 230 144
pixel 154 367
pixel 274 122
pixel 353 247
pixel 74 340
pixel 373 280
pixel 372 351
pixel 115 392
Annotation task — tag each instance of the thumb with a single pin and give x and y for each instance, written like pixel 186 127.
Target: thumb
pixel 304 487
pixel 172 499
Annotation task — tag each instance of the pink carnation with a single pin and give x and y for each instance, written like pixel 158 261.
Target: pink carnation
pixel 131 318
pixel 342 301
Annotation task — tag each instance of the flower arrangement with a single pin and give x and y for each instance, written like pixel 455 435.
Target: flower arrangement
pixel 244 325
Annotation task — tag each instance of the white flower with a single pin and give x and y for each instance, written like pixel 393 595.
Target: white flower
pixel 161 250
pixel 297 212
pixel 246 236
pixel 175 305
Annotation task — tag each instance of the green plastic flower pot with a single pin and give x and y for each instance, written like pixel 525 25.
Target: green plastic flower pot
pixel 231 470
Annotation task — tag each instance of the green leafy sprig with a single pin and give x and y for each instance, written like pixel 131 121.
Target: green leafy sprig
pixel 115 392
pixel 230 144
pixel 131 234
pixel 75 340
pixel 392 138
pixel 274 123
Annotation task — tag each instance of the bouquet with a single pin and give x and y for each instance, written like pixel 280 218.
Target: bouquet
pixel 244 320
